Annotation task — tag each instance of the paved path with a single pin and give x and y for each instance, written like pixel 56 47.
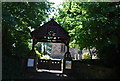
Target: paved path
pixel 47 75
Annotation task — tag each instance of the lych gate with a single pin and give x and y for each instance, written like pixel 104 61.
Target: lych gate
pixel 50 32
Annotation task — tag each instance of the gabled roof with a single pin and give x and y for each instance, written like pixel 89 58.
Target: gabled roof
pixel 51 32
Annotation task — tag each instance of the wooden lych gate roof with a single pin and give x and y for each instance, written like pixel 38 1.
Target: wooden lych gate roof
pixel 51 32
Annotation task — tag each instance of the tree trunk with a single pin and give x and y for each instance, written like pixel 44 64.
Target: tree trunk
pixel 90 52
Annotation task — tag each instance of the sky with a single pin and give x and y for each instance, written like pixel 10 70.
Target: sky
pixel 56 5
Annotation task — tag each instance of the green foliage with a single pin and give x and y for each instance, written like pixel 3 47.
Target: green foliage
pixel 18 20
pixel 38 47
pixel 38 54
pixel 43 48
pixel 86 56
pixel 45 57
pixel 92 25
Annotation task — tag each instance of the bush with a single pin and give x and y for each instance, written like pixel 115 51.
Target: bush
pixel 86 56
pixel 38 54
pixel 45 57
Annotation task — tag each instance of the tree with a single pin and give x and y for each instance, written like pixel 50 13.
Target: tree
pixel 18 19
pixel 93 25
pixel 86 56
pixel 44 48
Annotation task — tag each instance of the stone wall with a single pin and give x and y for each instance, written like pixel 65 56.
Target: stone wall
pixel 56 51
pixel 84 70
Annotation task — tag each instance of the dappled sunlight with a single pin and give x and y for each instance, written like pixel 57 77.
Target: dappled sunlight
pixel 47 74
pixel 65 40
pixel 45 57
pixel 49 71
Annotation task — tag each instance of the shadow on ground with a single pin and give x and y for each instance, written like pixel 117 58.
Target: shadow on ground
pixel 46 75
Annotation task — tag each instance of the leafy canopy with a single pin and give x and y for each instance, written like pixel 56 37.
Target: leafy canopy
pixel 92 24
pixel 18 20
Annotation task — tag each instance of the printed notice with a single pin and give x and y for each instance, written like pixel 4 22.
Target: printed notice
pixel 68 64
pixel 30 63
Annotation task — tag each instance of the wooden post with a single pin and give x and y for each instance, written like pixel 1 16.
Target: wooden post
pixel 32 58
pixel 67 55
pixel 33 44
pixel 67 58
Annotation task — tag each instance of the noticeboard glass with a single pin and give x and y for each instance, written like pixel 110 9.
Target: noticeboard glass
pixel 68 64
pixel 30 63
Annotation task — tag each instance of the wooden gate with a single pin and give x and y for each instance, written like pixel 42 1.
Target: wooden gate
pixel 49 64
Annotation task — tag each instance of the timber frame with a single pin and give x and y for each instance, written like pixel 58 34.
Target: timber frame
pixel 51 32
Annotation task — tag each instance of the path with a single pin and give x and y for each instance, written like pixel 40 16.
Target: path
pixel 47 75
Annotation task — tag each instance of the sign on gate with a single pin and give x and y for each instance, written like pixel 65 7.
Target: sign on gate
pixel 49 64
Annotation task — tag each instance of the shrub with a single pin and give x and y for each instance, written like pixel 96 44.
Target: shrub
pixel 45 57
pixel 38 54
pixel 86 56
